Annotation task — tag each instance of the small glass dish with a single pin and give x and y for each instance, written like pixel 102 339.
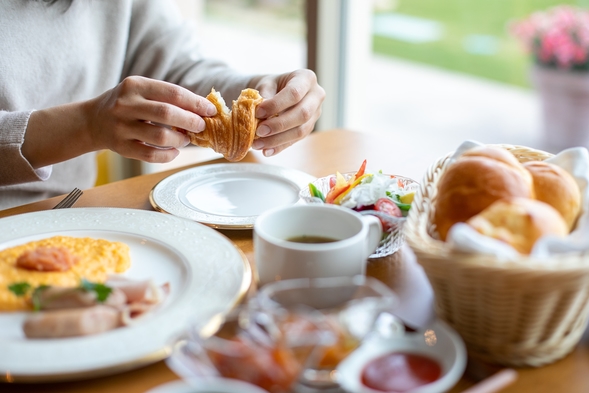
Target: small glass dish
pixel 251 346
pixel 392 238
pixel 351 308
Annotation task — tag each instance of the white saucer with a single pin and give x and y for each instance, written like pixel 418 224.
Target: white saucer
pixel 228 196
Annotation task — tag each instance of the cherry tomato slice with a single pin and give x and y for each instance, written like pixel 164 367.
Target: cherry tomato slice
pixel 387 206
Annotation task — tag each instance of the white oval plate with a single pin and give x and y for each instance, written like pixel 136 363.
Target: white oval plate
pixel 438 341
pixel 228 196
pixel 207 273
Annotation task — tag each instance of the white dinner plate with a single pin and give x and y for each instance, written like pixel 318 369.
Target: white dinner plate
pixel 228 196
pixel 207 274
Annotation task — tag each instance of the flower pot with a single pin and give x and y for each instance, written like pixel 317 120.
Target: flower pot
pixel 564 97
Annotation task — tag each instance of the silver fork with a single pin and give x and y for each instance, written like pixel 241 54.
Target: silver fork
pixel 70 199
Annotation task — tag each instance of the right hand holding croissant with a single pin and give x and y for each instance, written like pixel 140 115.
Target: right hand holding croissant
pixel 129 119
pixel 126 119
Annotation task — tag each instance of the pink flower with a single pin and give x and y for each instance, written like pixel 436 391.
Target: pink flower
pixel 564 52
pixel 564 17
pixel 556 37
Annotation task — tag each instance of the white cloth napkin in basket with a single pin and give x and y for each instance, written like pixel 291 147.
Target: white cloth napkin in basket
pixel 464 238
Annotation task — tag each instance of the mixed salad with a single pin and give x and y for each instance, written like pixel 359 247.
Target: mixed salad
pixel 365 190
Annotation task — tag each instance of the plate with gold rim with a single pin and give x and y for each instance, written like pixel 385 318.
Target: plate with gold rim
pixel 207 274
pixel 228 196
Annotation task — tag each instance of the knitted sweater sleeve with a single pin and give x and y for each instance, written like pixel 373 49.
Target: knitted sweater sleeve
pixel 15 168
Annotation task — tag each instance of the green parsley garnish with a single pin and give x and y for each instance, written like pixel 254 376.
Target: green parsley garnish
pixel 102 291
pixel 36 297
pixel 20 288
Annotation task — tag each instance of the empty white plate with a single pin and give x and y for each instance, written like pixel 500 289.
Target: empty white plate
pixel 228 196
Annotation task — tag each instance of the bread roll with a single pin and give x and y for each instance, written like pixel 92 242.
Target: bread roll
pixel 230 132
pixel 558 188
pixel 478 178
pixel 519 222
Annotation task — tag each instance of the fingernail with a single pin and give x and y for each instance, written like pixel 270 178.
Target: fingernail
pixel 211 110
pixel 201 126
pixel 263 130
pixel 261 113
pixel 186 141
pixel 257 145
pixel 268 152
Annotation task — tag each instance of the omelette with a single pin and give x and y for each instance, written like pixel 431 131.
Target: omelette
pixel 95 259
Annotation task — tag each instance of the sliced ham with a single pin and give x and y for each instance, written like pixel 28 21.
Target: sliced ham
pixel 139 291
pixel 134 310
pixel 134 290
pixel 71 322
pixel 57 298
pixel 76 312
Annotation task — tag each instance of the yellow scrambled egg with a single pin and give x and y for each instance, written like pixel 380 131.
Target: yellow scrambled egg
pixel 97 258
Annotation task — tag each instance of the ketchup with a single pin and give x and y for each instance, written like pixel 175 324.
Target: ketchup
pixel 400 372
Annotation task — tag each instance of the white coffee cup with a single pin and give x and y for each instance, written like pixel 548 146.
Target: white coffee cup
pixel 278 257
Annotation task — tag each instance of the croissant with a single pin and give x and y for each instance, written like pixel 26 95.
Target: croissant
pixel 230 132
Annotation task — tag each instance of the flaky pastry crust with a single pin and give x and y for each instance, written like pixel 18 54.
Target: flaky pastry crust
pixel 230 132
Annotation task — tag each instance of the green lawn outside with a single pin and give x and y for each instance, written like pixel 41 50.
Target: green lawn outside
pixel 460 19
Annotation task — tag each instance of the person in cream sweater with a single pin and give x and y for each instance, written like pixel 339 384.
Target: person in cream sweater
pixel 79 76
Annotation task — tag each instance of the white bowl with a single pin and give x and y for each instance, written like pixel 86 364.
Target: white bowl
pixel 216 385
pixel 439 342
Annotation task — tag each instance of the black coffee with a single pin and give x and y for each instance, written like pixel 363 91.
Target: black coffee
pixel 311 239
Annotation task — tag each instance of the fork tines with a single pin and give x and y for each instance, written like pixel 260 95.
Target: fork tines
pixel 70 199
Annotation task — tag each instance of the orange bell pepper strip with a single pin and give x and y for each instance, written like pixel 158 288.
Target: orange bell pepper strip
pixel 360 170
pixel 353 183
pixel 340 186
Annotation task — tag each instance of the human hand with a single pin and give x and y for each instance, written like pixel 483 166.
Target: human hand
pixel 291 107
pixel 129 119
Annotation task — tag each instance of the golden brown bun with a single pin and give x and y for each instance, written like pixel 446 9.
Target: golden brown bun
pixel 478 178
pixel 230 132
pixel 519 222
pixel 498 154
pixel 556 187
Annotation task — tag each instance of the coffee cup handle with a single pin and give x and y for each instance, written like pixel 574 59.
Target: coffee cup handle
pixel 374 233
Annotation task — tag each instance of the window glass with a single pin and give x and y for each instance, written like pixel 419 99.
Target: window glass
pixel 468 36
pixel 256 36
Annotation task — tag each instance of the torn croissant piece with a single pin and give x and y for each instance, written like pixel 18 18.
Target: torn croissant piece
pixel 230 132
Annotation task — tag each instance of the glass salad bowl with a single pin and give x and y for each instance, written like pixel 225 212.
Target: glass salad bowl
pixel 386 196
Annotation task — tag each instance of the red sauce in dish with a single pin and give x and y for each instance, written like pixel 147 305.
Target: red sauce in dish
pixel 400 372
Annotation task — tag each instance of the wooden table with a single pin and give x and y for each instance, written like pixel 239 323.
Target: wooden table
pixel 320 154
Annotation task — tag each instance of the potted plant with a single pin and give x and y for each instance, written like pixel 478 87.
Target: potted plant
pixel 558 41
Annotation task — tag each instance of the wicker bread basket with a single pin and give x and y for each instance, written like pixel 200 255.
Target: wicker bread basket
pixel 520 313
